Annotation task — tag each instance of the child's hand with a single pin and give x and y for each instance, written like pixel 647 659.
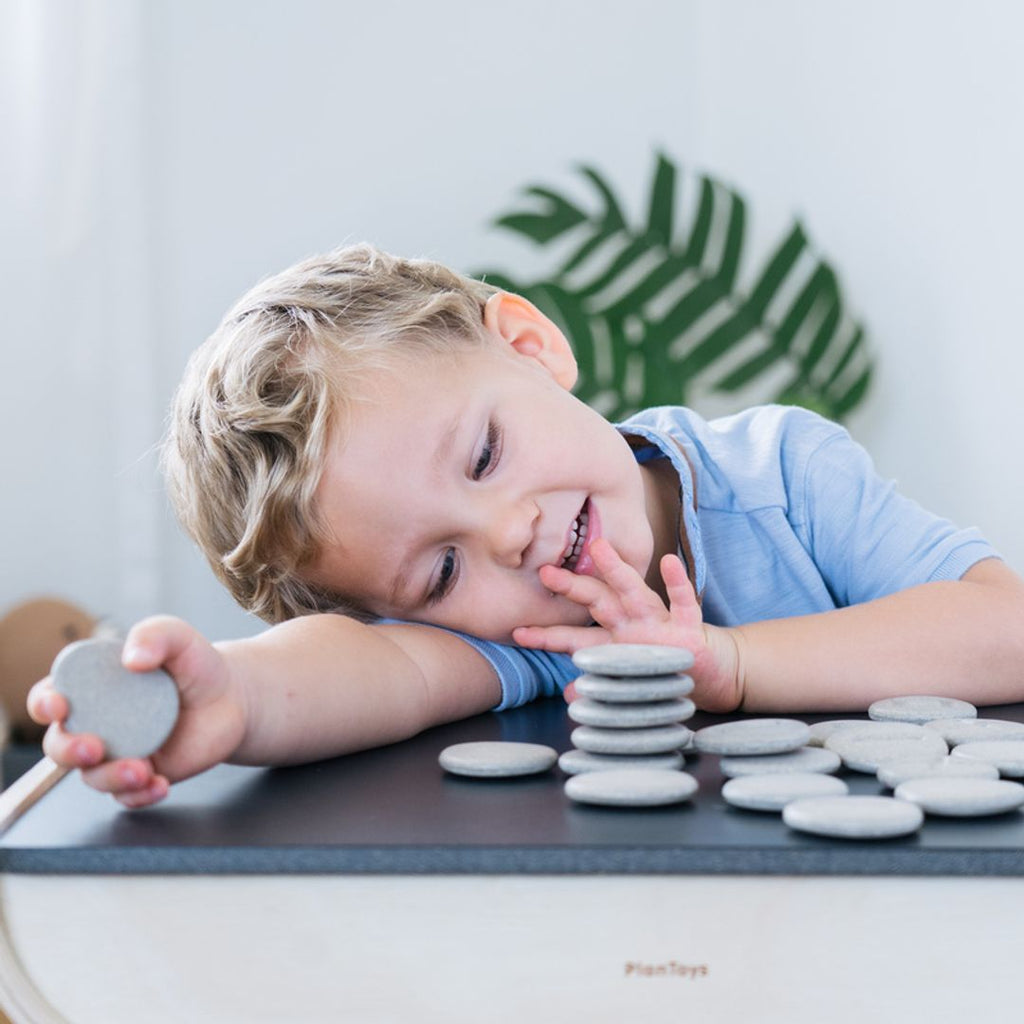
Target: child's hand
pixel 211 721
pixel 626 610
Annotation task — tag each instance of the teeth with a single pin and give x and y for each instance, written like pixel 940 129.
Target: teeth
pixel 577 537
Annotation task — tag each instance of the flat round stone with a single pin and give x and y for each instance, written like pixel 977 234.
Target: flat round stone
pixel 632 659
pixel 804 759
pixel 879 730
pixel 659 739
pixel 867 751
pixel 648 788
pixel 132 712
pixel 630 716
pixel 1006 755
pixel 576 762
pixel 895 772
pixel 497 759
pixel 962 798
pixel 967 730
pixel 752 736
pixel 920 709
pixel 639 689
pixel 820 731
pixel 773 792
pixel 853 817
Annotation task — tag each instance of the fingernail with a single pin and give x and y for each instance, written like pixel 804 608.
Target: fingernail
pixel 133 652
pixel 85 753
pixel 130 775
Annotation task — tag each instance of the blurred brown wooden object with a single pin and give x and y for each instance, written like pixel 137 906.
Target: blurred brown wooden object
pixel 31 635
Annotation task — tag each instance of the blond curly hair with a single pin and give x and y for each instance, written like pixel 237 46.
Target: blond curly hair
pixel 260 399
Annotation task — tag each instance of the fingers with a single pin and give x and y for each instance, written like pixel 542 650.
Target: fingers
pixel 617 595
pixel 73 750
pixel 132 781
pixel 45 704
pixel 681 595
pixel 560 639
pixel 588 591
pixel 157 641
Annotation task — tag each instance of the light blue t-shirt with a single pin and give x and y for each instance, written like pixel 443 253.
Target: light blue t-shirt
pixel 790 518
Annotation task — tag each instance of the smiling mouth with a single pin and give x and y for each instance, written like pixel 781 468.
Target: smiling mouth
pixel 577 539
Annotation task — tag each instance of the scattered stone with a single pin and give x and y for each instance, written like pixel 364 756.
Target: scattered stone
pixel 497 759
pixel 752 736
pixel 962 798
pixel 895 772
pixel 1006 755
pixel 867 751
pixel 821 731
pixel 773 792
pixel 804 759
pixel 968 730
pixel 920 709
pixel 853 817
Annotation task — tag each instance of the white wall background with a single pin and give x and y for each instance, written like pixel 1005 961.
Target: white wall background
pixel 158 157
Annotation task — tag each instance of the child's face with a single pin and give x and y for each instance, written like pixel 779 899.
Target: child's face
pixel 459 479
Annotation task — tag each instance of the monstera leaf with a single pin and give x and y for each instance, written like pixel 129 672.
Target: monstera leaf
pixel 657 315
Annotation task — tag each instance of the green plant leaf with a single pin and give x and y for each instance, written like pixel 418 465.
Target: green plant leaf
pixel 656 321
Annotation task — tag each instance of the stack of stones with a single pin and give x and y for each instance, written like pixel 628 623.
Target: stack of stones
pixel 630 708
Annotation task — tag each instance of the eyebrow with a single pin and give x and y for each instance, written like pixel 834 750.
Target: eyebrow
pixel 446 442
pixel 442 454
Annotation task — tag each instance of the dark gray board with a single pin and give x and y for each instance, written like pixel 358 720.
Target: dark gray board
pixel 393 810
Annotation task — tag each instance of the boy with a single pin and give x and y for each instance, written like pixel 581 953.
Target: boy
pixel 385 438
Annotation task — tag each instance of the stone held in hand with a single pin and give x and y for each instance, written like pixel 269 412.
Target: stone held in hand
pixel 133 713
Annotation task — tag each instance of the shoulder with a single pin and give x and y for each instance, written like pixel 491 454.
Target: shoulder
pixel 748 459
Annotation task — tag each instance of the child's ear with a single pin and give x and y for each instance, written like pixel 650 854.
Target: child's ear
pixel 522 325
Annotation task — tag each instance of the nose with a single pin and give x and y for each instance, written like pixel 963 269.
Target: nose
pixel 509 530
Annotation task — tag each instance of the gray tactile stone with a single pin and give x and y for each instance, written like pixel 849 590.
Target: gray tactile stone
pixel 649 788
pixel 968 730
pixel 853 817
pixel 495 759
pixel 630 716
pixel 576 762
pixel 820 731
pixel 879 730
pixel 804 759
pixel 132 712
pixel 657 740
pixel 773 792
pixel 632 660
pixel 752 736
pixel 867 750
pixel 614 690
pixel 895 772
pixel 919 709
pixel 962 798
pixel 1006 755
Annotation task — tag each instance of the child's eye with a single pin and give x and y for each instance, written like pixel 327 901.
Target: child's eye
pixel 490 451
pixel 446 578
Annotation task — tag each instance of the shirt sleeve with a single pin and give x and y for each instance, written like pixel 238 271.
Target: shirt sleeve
pixel 524 674
pixel 868 539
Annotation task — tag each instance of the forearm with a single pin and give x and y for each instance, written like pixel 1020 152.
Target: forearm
pixel 325 685
pixel 961 639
